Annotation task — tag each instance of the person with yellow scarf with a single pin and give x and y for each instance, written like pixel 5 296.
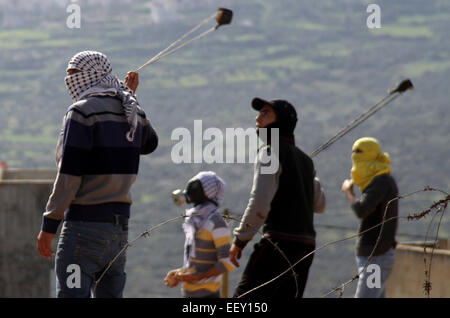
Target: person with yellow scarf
pixel 371 172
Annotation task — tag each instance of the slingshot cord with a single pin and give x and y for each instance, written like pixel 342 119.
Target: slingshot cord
pixel 354 123
pixel 184 44
pixel 165 51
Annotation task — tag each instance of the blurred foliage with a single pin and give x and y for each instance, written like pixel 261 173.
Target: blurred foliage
pixel 317 54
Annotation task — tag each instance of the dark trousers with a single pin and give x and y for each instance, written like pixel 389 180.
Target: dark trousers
pixel 266 262
pixel 89 247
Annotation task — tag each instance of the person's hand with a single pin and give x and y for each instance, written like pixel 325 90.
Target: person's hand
pixel 171 279
pixel 347 188
pixel 347 185
pixel 187 277
pixel 44 241
pixel 132 80
pixel 235 254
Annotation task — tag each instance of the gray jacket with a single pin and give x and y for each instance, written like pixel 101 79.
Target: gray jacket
pixel 263 191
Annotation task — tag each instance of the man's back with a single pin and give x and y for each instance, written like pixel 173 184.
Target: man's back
pixel 97 164
pixel 97 149
pixel 104 133
pixel 291 210
pixel 377 204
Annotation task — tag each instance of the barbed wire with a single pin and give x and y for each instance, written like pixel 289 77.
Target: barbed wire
pixel 409 217
pixel 440 206
pixel 427 283
pixel 227 213
pixel 275 245
pixel 347 228
pixel 126 246
pixel 342 286
pixel 398 197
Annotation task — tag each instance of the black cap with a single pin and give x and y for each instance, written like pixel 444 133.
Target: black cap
pixel 286 113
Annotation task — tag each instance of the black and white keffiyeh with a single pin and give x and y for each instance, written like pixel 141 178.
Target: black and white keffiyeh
pixel 95 79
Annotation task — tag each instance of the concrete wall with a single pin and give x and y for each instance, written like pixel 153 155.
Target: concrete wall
pixel 23 195
pixel 29 174
pixel 408 277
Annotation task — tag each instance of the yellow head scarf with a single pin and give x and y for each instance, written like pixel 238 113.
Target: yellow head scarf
pixel 368 161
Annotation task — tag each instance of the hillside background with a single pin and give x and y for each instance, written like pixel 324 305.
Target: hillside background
pixel 319 55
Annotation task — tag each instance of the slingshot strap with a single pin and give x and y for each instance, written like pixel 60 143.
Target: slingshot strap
pixel 356 122
pixel 166 51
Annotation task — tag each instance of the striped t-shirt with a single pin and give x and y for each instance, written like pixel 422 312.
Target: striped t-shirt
pixel 97 165
pixel 212 246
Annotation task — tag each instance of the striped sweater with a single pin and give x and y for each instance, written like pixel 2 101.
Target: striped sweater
pixel 212 246
pixel 96 163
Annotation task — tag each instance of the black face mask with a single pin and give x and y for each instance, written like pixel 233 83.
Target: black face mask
pixel 194 193
pixel 282 131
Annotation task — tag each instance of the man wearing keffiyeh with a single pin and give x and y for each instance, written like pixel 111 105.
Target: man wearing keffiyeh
pixel 103 135
pixel 91 76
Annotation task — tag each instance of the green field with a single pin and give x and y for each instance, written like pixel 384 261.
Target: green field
pixel 317 54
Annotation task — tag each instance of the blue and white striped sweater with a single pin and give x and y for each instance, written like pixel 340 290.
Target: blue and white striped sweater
pixel 97 164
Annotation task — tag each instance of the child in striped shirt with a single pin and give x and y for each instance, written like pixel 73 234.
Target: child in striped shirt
pixel 207 245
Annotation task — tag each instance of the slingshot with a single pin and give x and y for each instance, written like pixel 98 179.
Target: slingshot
pixel 223 16
pixel 393 94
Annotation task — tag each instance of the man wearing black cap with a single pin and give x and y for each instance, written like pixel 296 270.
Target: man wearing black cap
pixel 283 203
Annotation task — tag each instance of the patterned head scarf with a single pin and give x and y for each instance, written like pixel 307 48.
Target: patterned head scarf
pixel 213 185
pixel 368 161
pixel 95 79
